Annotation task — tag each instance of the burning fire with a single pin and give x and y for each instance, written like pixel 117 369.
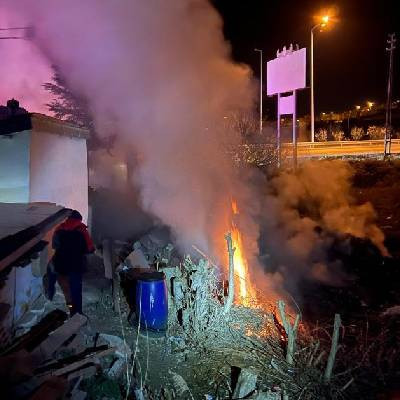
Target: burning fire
pixel 244 289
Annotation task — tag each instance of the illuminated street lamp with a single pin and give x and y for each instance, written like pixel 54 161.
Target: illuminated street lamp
pixel 324 21
pixel 370 104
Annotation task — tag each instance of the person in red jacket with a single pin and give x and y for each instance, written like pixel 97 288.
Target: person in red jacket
pixel 72 242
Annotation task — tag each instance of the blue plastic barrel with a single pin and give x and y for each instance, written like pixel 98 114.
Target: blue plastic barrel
pixel 152 301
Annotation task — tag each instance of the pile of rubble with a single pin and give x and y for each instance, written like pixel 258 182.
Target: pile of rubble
pixel 54 356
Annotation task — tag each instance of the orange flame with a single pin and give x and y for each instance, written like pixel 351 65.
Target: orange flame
pixel 245 291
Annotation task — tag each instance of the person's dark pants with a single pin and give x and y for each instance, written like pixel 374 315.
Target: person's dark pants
pixel 75 287
pixel 71 286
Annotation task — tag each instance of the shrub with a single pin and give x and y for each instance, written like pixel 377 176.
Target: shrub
pixel 321 135
pixel 376 132
pixel 338 135
pixel 357 133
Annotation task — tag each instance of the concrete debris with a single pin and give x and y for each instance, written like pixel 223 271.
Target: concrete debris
pixel 117 368
pixel 137 260
pixel 122 349
pixel 246 384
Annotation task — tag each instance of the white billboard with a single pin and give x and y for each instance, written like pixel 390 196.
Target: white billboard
pixel 287 72
pixel 287 105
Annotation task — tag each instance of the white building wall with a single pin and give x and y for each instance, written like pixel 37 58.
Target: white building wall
pixel 14 167
pixel 58 171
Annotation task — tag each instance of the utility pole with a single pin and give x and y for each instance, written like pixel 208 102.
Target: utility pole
pixel 312 85
pixel 388 125
pixel 261 88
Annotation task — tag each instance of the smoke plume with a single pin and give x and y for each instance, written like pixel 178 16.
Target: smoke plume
pixel 306 211
pixel 160 76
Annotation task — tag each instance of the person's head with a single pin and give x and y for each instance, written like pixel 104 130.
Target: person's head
pixel 76 215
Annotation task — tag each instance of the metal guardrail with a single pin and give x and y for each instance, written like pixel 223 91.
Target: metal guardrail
pixel 344 143
pixel 319 149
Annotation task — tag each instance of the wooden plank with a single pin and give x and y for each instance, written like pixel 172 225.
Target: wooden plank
pixel 70 363
pixel 38 333
pixel 43 227
pixel 108 259
pixel 55 340
pixel 84 373
pixel 80 363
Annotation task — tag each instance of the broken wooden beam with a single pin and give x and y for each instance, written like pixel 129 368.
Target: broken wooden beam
pixel 56 338
pixel 71 363
pixel 37 333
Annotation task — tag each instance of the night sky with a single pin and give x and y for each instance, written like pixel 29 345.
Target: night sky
pixel 350 61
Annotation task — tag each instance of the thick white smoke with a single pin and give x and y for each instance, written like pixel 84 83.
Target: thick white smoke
pixel 159 74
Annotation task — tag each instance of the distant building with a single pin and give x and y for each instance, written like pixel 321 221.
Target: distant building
pixel 42 159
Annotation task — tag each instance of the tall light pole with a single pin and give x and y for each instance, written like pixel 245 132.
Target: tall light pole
pixel 322 24
pixel 261 88
pixel 388 124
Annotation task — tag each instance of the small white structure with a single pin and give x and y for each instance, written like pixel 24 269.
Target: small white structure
pixel 43 159
pixel 25 230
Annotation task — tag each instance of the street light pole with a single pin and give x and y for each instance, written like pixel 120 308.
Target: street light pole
pixel 388 124
pixel 312 84
pixel 322 24
pixel 261 88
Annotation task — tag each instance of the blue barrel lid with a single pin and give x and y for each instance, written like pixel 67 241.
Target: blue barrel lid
pixel 150 276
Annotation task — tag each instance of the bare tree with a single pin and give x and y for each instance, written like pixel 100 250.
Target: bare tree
pixel 245 124
pixel 72 108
